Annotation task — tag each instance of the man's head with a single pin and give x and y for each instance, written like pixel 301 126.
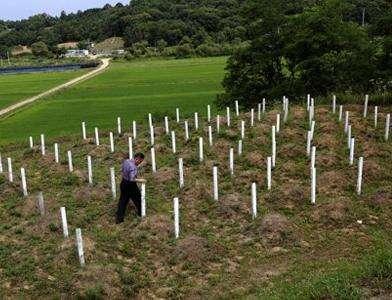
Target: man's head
pixel 138 158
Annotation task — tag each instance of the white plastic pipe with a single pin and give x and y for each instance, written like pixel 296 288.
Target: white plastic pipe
pixel 201 153
pixel 242 129
pixel 231 161
pixel 64 221
pixel 42 144
pixel 96 136
pixel 152 138
pixel 352 146
pixel 89 170
pixel 134 129
pixel 313 158
pixel 313 186
pixel 228 116
pixel 208 113
pixel 176 217
pixel 375 116
pixel 111 142
pixel 181 172
pixel 153 162
pixel 340 113
pixel 259 111
pixel 31 142
pixel 263 105
pixel 24 183
pixel 349 136
pixel 277 123
pixel 359 180
pixel 113 182
pixel 269 172
pixel 252 117
pixel 178 115
pixel 334 104
pixel 166 125
pixel 254 200
pixel 79 242
pixel 10 173
pixel 215 182
pixel 308 143
pixel 196 121
pixel 217 123
pixel 387 125
pixel 210 135
pixel 173 139
pixel 186 130
pixel 240 147
pixel 56 153
pixel 150 120
pixel 365 107
pixel 143 200
pixel 346 121
pixel 119 129
pixel 70 164
pixel 273 146
pixel 1 165
pixel 237 110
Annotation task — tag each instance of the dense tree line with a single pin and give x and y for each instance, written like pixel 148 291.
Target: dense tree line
pixel 150 22
pixel 317 47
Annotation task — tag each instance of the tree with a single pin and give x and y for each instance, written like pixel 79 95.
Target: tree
pixel 40 49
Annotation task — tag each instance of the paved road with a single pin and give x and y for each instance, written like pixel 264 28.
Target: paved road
pixel 11 108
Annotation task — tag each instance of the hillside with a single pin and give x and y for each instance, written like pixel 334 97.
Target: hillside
pixel 337 248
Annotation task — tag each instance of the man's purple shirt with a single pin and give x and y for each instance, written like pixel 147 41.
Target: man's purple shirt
pixel 129 170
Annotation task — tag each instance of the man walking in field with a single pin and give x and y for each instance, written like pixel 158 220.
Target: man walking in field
pixel 128 187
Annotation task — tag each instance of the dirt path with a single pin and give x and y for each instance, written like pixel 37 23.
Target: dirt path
pixel 11 108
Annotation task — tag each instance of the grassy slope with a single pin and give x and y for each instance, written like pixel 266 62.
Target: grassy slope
pixel 128 90
pixel 305 252
pixel 14 88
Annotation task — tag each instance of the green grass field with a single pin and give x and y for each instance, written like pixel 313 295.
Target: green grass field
pixel 129 90
pixel 16 87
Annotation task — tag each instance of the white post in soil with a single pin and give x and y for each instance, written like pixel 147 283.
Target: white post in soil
pixel 312 126
pixel 10 174
pixel 181 172
pixel 286 111
pixel 31 142
pixel 352 144
pixel 56 153
pixel 313 186
pixel 1 165
pixel 153 162
pixel 178 115
pixel 349 136
pixel 263 105
pixel 113 182
pixel 130 147
pixel 365 107
pixel 134 129
pixel 340 113
pixel 119 129
pixel 231 161
pixel 228 116
pixel 308 143
pixel 208 113
pixel 89 170
pixel 242 129
pixel 217 123
pixel 259 111
pixel 79 243
pixel 254 200
pixel 167 125
pixel 334 104
pixel 346 121
pixel 240 147
pixel 273 146
pixel 252 117
pixel 96 136
pixel 173 139
pixel 42 144
pixel 307 102
pixel 64 221
pixel 311 114
pixel 176 217
pixel 70 164
pixel 269 172
pixel 150 120
pixel 313 158
pixel 237 110
pixel 215 182
pixel 24 183
pixel 196 121
pixel 152 138
pixel 143 199
pixel 375 116
pixel 41 205
pixel 186 130
pixel 111 142
pixel 387 125
pixel 359 180
pixel 277 123
pixel 210 135
pixel 84 135
pixel 201 153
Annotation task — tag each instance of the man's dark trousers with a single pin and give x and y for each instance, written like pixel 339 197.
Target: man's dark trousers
pixel 129 190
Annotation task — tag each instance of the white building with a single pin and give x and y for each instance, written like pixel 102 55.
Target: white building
pixel 77 53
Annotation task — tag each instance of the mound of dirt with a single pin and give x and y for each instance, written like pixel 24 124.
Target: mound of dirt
pixel 372 170
pixel 331 213
pixel 158 225
pixel 276 229
pixel 164 174
pixel 90 193
pixel 291 150
pixel 380 199
pixel 193 249
pixel 330 182
pixel 232 204
pixel 292 192
pixel 256 158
